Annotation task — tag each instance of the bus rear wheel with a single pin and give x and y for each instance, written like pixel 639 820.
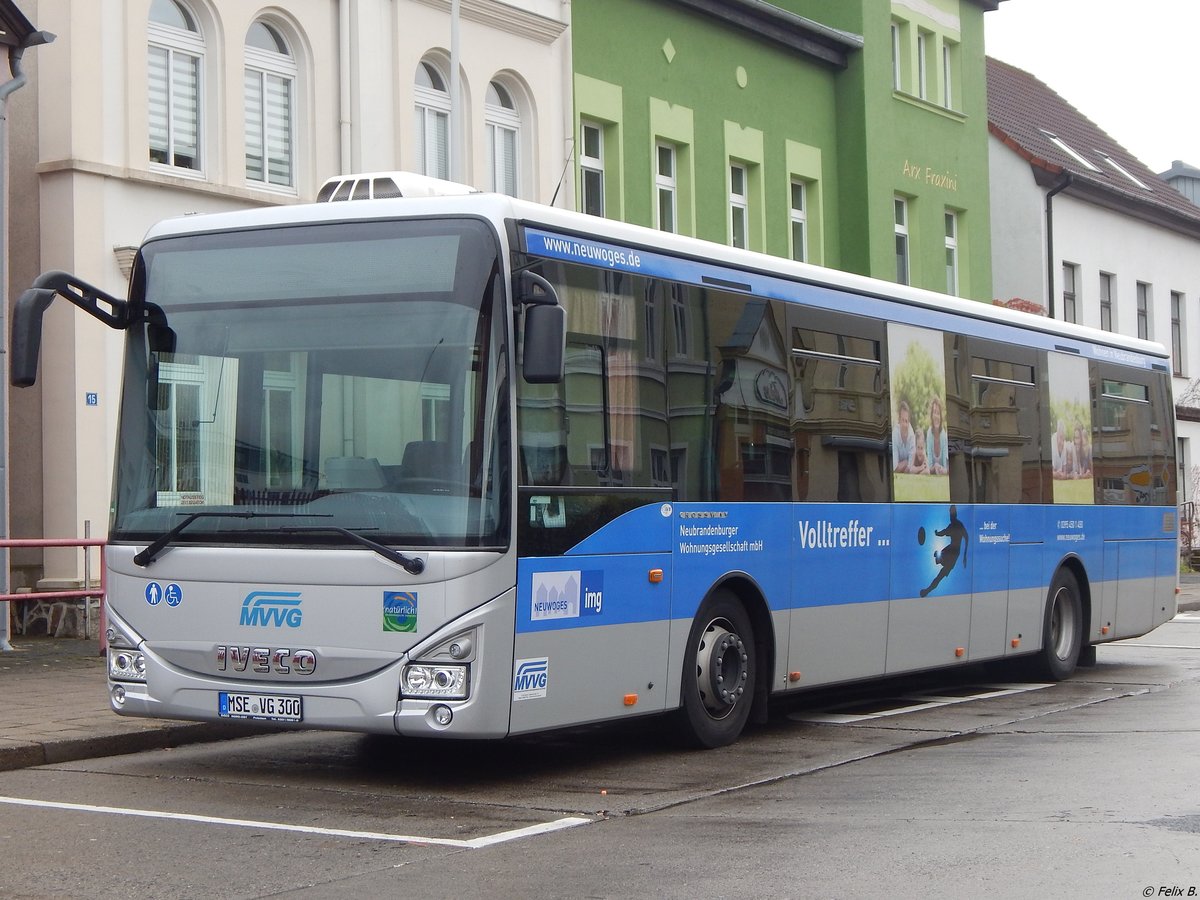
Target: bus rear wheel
pixel 718 673
pixel 1062 629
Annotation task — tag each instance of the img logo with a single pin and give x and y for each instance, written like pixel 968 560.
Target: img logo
pixel 400 611
pixel 566 595
pixel 531 678
pixel 278 609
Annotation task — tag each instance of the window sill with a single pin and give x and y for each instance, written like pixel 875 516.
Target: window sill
pixel 929 106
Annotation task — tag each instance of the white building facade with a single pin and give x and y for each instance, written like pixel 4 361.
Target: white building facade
pixel 146 109
pixel 1089 233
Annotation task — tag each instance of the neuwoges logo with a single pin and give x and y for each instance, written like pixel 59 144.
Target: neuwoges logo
pixel 278 609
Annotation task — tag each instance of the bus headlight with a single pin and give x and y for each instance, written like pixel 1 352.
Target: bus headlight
pixel 126 665
pixel 443 682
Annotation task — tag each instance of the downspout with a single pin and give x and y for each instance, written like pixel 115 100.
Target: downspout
pixel 6 90
pixel 345 117
pixel 1061 185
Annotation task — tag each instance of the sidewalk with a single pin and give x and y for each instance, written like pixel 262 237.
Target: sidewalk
pixel 55 704
pixel 54 708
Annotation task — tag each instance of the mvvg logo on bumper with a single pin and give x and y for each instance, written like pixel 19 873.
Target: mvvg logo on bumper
pixel 277 609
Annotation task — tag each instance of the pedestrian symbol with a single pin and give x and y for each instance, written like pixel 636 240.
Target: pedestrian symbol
pixel 154 593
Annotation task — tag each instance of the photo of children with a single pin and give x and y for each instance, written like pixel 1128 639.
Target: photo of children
pixel 1070 412
pixel 920 456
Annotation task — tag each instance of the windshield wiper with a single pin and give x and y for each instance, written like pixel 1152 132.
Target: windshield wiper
pixel 151 553
pixel 411 564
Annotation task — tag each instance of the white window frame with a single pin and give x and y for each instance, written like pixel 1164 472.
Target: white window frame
pixel 951 219
pixel 666 186
pixel 1145 325
pixel 798 220
pixel 947 77
pixel 178 42
pixel 897 80
pixel 923 64
pixel 501 122
pixel 593 166
pixel 432 108
pixel 739 205
pixel 1178 307
pixel 903 249
pixel 1070 292
pixel 262 66
pixel 1106 301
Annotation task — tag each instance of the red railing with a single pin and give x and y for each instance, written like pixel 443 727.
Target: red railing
pixel 99 591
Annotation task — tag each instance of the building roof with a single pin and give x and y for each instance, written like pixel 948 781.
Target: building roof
pixel 792 31
pixel 15 28
pixel 1058 140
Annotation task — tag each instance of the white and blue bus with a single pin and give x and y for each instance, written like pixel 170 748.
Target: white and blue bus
pixel 467 466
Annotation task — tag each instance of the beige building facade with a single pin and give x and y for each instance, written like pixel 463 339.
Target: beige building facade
pixel 146 109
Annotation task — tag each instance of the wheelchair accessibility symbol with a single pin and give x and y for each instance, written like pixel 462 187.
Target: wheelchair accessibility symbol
pixel 156 594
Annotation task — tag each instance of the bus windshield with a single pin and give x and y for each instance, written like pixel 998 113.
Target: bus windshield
pixel 316 379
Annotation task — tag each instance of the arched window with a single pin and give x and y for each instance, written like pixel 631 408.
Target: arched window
pixel 176 56
pixel 503 124
pixel 433 121
pixel 270 98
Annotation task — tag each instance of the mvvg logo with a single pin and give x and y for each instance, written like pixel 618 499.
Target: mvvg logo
pixel 275 608
pixel 531 678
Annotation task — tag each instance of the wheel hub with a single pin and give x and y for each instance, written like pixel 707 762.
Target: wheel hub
pixel 722 669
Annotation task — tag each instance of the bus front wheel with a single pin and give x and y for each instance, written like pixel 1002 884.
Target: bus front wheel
pixel 1062 629
pixel 718 673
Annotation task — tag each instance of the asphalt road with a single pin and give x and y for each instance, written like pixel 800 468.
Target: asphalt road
pixel 936 787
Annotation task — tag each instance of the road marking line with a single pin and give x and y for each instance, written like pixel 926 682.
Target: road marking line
pixel 473 844
pixel 921 700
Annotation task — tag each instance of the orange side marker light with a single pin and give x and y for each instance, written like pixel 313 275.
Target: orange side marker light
pixel 1016 642
pixel 656 576
pixel 960 652
pixel 631 699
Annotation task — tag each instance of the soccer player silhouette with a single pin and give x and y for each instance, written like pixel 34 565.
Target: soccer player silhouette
pixel 947 557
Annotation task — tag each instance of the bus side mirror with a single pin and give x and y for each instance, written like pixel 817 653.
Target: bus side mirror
pixel 545 334
pixel 544 343
pixel 26 339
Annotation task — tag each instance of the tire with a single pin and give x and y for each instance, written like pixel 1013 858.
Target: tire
pixel 1062 629
pixel 718 673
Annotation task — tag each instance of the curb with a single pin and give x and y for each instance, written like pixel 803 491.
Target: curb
pixel 42 753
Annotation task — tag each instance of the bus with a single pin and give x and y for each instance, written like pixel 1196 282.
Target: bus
pixel 465 466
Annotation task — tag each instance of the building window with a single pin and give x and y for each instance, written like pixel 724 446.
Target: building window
pixel 901 213
pixel 1106 312
pixel 665 186
pixel 948 75
pixel 270 87
pixel 591 164
pixel 923 43
pixel 176 54
pixel 799 222
pixel 738 206
pixel 1143 310
pixel 503 124
pixel 952 253
pixel 1068 278
pixel 1177 331
pixel 897 82
pixel 432 122
pixel 681 320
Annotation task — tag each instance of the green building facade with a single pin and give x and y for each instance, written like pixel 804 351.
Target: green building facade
pixel 848 133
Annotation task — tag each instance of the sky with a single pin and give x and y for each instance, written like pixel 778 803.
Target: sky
pixel 1129 67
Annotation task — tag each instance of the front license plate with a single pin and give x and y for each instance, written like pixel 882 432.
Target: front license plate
pixel 271 707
